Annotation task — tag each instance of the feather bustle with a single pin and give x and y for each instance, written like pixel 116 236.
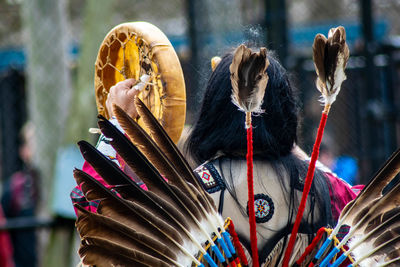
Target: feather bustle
pixel 95 255
pixel 114 176
pixel 119 209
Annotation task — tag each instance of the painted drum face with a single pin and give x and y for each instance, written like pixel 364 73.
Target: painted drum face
pixel 137 50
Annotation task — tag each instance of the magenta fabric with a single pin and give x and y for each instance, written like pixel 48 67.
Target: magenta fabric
pixel 77 195
pixel 6 249
pixel 341 193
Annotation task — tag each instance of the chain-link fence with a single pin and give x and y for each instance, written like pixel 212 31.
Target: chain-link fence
pixel 362 124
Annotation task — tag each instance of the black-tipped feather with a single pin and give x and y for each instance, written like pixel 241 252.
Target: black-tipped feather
pixel 92 224
pixel 116 177
pixel 373 190
pixel 115 254
pixel 150 149
pixel 100 163
pixel 144 169
pixel 168 147
pixel 117 203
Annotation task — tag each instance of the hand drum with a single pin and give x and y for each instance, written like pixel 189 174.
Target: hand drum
pixel 131 50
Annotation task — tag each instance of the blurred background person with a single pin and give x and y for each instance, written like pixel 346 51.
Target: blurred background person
pixel 20 198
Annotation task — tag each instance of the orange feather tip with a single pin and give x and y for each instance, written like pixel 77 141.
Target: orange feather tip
pixel 214 62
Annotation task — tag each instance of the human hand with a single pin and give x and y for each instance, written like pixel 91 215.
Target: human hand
pixel 123 95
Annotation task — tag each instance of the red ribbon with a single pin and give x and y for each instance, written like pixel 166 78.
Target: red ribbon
pixel 306 190
pixel 250 190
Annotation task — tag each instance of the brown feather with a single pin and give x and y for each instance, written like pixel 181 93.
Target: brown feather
pixel 154 154
pixel 381 229
pixel 143 221
pixel 126 193
pixel 373 190
pixel 384 204
pixel 111 203
pixel 91 224
pixel 99 256
pixel 387 235
pixel 146 171
pixel 170 150
pixel 115 253
pixel 330 57
pixel 385 218
pixel 319 56
pixel 149 222
pixel 249 78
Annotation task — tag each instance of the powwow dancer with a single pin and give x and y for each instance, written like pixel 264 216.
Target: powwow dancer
pixel 278 172
pixel 176 222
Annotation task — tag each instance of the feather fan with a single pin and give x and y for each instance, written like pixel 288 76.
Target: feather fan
pixel 114 176
pixel 181 189
pixel 166 211
pixel 150 229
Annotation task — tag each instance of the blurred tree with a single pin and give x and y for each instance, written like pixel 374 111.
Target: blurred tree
pixel 48 79
pixel 49 91
pixel 96 24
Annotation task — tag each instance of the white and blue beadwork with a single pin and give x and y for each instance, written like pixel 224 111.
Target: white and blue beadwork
pixel 264 208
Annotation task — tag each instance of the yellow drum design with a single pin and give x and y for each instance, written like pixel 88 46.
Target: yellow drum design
pixel 137 49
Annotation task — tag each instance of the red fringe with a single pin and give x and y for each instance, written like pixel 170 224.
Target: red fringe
pixel 311 247
pixel 250 190
pixel 306 190
pixel 237 244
